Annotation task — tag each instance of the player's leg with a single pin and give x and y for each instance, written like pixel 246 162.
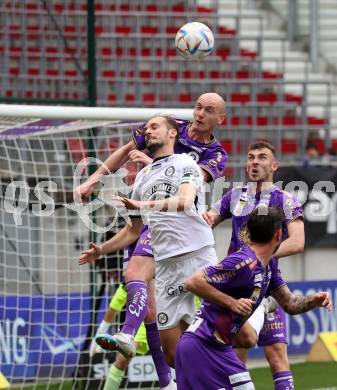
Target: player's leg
pixel 169 339
pixel 116 372
pixel 153 339
pixel 273 330
pixel 209 365
pixel 139 272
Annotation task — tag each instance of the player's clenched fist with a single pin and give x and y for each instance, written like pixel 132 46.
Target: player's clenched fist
pixel 242 306
pixel 90 255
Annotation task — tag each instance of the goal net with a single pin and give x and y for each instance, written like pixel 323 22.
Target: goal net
pixel 50 306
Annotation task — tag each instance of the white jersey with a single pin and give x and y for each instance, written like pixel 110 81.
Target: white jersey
pixel 173 233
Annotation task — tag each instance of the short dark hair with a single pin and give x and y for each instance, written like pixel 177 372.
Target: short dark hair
pixel 260 145
pixel 263 222
pixel 311 145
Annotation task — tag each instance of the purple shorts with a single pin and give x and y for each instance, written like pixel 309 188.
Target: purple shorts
pixel 274 329
pixel 213 366
pixel 143 247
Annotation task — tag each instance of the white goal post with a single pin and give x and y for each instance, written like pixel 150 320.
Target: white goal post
pixel 46 300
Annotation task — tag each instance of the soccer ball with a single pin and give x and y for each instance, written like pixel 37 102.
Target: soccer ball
pixel 194 41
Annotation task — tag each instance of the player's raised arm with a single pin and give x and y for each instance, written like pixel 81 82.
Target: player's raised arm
pixel 212 218
pixel 111 164
pixel 123 238
pixel 296 304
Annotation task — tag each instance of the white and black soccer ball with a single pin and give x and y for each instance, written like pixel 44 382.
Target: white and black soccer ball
pixel 194 41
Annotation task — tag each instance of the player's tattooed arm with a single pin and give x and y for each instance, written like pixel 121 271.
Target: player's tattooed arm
pixel 296 304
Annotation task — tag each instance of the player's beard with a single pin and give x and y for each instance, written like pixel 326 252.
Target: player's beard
pixel 154 147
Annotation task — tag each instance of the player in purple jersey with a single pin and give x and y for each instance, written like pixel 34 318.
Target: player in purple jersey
pixel 237 204
pixel 196 139
pixel 232 290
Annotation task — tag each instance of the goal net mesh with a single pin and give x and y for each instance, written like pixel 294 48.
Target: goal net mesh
pixel 50 306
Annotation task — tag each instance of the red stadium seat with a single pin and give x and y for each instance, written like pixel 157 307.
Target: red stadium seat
pixel 109 74
pixel 123 29
pixel 289 146
pixel 185 98
pixel 145 74
pixel 223 30
pixel 112 98
pixel 204 10
pixel 149 98
pixel 171 29
pixel 129 98
pixel 33 72
pixel 149 30
pixel 52 72
pixel 70 72
pixel 223 53
pixel 241 98
pixel 291 98
pixel 14 71
pixel 313 121
pixel 266 97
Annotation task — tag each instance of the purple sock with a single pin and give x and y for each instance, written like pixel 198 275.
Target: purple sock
pixel 283 380
pixel 136 306
pixel 162 368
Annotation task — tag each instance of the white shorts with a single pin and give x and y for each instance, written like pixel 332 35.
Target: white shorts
pixel 173 302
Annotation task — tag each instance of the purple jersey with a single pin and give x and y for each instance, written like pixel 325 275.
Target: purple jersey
pixel 239 202
pixel 240 275
pixel 211 157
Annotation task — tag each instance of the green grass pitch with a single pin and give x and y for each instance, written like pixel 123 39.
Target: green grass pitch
pixel 307 376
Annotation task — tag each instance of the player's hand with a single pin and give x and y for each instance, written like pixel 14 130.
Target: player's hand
pixel 243 306
pixel 83 191
pixel 90 255
pixel 129 204
pixel 209 218
pixel 322 299
pixel 139 157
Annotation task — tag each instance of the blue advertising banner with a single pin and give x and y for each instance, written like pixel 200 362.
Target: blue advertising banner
pixel 43 335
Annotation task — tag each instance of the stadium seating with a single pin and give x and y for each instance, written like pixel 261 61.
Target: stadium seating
pixel 45 55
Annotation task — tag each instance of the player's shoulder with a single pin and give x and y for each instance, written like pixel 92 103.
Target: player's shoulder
pixel 241 259
pixel 184 158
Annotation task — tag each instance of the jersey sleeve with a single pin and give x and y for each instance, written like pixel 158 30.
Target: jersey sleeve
pixel 223 206
pixel 276 280
pixel 138 137
pixel 224 274
pixel 292 207
pixel 214 161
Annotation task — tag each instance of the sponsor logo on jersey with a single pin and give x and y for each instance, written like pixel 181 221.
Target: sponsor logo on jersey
pixel 162 318
pixel 169 171
pixel 160 191
pixel 175 291
pixel 212 163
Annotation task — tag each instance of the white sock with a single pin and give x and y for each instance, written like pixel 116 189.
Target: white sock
pixel 256 320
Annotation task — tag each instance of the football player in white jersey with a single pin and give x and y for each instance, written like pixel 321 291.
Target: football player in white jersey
pixel 169 195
